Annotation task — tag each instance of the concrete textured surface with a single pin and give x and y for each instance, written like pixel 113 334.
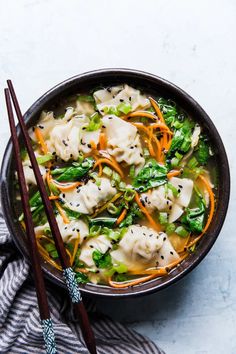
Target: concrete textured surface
pixel 191 43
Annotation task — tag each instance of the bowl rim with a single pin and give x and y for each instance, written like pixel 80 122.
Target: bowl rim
pixel 181 94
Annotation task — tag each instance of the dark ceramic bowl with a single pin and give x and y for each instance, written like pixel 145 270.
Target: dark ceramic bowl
pixel 155 86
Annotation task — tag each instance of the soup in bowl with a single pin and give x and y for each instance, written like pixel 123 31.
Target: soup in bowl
pixel 131 166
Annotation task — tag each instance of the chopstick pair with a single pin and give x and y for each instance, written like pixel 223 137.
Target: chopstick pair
pixel 68 272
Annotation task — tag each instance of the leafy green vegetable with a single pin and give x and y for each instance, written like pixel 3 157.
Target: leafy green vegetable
pixel 103 221
pixel 81 278
pixel 194 218
pixel 150 176
pixel 192 162
pixel 133 213
pixel 23 153
pixel 173 189
pixel 132 171
pixel 129 194
pixel 86 98
pixel 95 122
pixel 43 159
pixel 182 139
pixel 72 214
pixel 114 235
pixel 75 173
pixel 102 260
pixel 203 152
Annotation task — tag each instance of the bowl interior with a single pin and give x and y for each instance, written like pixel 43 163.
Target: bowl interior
pixel 154 86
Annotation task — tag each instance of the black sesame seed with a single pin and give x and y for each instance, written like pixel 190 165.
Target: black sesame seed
pixel 54 153
pixel 170 207
pixel 109 89
pixel 171 253
pixel 130 98
pixel 141 155
pixel 91 246
pixel 131 231
pixel 41 126
pixel 131 147
pixel 78 205
pixel 73 229
pixel 78 230
pixel 89 146
pixel 162 257
pixel 110 117
pixel 63 141
pixel 65 227
pixel 121 100
pixel 33 129
pixel 180 186
pixel 83 128
pixel 103 126
pixel 179 190
pixel 164 238
pixel 63 195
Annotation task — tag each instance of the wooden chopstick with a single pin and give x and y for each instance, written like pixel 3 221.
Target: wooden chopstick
pixel 48 332
pixel 68 272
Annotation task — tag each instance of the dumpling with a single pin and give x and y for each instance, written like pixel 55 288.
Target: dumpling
pixel 112 97
pixel 163 201
pixel 100 243
pixel 85 198
pixel 142 247
pixel 69 232
pixel 123 141
pixel 29 173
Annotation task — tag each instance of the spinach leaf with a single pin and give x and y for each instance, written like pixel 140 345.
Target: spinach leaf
pixel 81 278
pixel 102 260
pixel 194 218
pixel 103 221
pixel 203 152
pixel 133 213
pixel 150 176
pixel 75 173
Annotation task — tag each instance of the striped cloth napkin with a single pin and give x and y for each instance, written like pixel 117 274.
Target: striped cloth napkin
pixel 20 329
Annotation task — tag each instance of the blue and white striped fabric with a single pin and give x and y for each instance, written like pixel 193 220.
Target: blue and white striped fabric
pixel 20 326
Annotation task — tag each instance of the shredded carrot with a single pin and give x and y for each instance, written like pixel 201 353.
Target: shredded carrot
pixel 129 283
pixel 173 173
pixel 62 213
pixel 47 258
pixel 140 114
pixel 157 109
pixel 116 196
pixel 93 145
pixel 75 249
pixel 162 127
pixel 121 217
pixel 106 161
pixel 145 211
pixel 53 197
pixel 66 186
pixel 39 137
pixel 102 141
pixel 154 273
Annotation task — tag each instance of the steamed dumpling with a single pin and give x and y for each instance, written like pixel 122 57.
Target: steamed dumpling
pixel 85 198
pixel 142 247
pixel 69 232
pixel 174 206
pixel 29 173
pixel 100 243
pixel 112 97
pixel 123 141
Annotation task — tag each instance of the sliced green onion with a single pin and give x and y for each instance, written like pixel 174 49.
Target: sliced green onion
pixel 181 231
pixel 49 247
pixel 124 107
pixel 43 159
pixel 173 189
pixel 170 228
pixel 97 179
pixel 129 194
pixel 132 171
pixel 95 230
pixel 163 218
pixel 193 162
pixel 107 171
pixel 95 122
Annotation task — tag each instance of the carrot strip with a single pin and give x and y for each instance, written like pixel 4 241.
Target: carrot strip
pixel 161 126
pixel 154 273
pixel 75 249
pixel 140 114
pixel 144 210
pixel 157 109
pixel 53 197
pixel 93 145
pixel 41 141
pixel 62 213
pixel 47 258
pixel 130 283
pixel 66 186
pixel 173 173
pixel 121 217
pixel 115 166
pixel 102 141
